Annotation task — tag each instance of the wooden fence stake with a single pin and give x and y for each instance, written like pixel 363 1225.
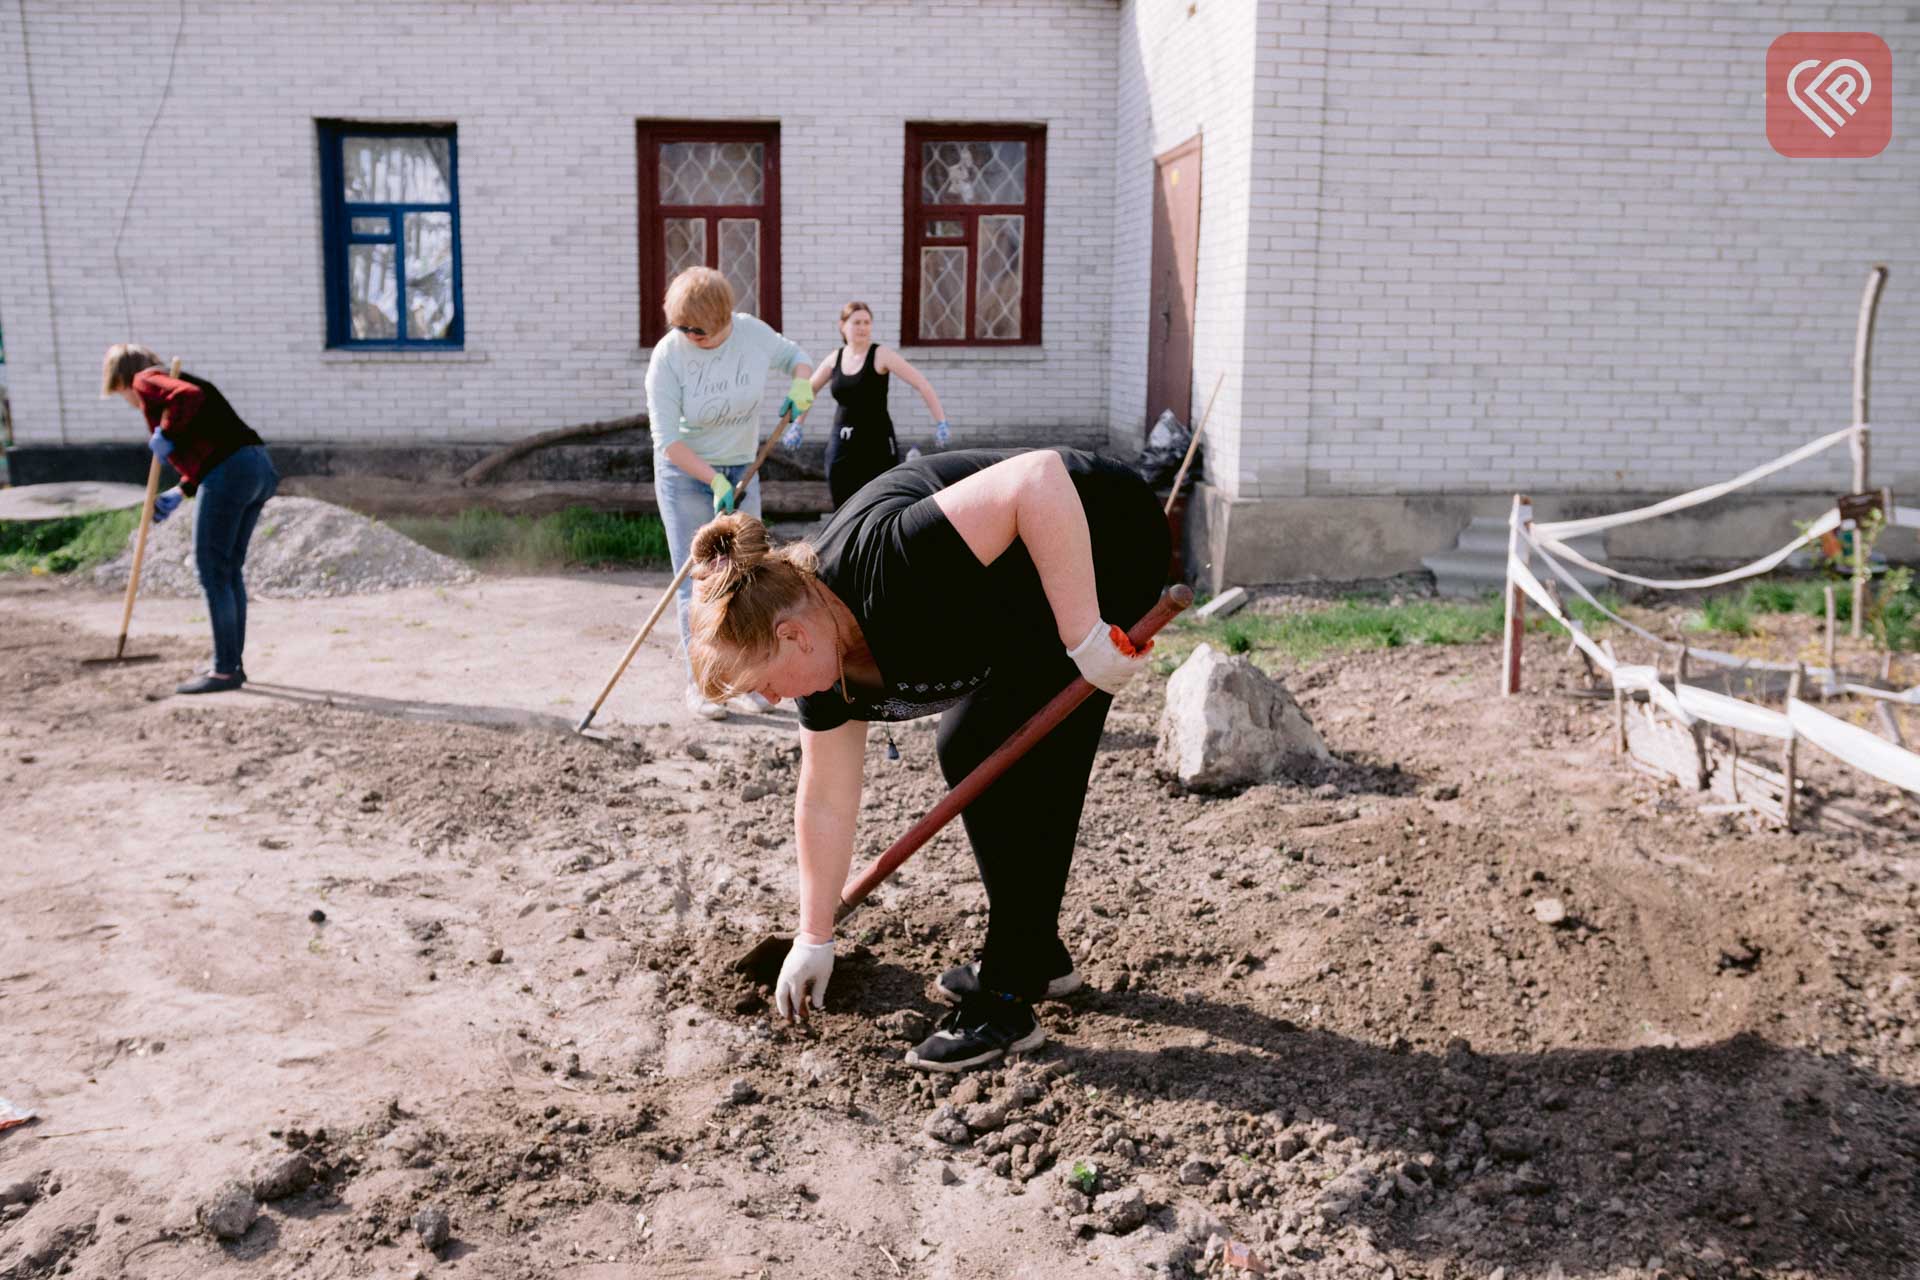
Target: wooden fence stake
pixel 1516 600
pixel 1862 364
pixel 1793 747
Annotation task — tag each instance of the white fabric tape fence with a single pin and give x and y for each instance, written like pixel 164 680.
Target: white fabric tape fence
pixel 1688 706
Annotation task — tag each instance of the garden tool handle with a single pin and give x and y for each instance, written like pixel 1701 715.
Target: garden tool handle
pixel 1172 601
pixel 140 537
pixel 773 442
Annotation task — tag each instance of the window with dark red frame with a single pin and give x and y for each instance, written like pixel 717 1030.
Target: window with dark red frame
pixel 975 195
pixel 709 196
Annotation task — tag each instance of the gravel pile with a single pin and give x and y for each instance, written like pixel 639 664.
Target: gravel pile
pixel 302 547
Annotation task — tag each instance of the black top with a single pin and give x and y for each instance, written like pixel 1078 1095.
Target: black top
pixel 861 398
pixel 933 615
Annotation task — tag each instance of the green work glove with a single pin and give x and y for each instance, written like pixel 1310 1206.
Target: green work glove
pixel 722 493
pixel 799 399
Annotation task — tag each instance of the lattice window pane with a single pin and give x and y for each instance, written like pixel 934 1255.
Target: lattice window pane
pixel 943 292
pixel 996 297
pixel 686 244
pixel 740 261
pixel 712 173
pixel 373 292
pixel 973 172
pixel 397 170
pixel 429 274
pixel 946 229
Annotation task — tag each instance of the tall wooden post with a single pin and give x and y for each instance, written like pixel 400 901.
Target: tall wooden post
pixel 1793 748
pixel 1862 364
pixel 1517 548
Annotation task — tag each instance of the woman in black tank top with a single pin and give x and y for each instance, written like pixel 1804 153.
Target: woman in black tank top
pixel 862 444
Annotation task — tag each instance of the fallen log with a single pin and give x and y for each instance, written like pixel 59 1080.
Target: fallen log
pixel 479 471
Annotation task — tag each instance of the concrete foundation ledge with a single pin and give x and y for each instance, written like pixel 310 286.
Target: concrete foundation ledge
pixel 1241 542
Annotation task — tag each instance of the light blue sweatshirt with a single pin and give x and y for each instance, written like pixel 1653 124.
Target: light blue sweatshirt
pixel 710 400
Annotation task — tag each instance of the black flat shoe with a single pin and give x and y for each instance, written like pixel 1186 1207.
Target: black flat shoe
pixel 211 683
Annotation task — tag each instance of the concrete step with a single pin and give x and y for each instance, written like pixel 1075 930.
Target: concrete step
pixel 1477 563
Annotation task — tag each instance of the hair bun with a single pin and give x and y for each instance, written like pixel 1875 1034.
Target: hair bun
pixel 727 551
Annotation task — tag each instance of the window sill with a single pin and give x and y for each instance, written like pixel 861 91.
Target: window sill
pixel 974 355
pixel 375 355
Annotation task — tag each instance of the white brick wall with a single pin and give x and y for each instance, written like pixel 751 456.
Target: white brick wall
pixel 224 248
pixel 1457 247
pixel 1550 248
pixel 1183 74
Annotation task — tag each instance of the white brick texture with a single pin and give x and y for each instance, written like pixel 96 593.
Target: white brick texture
pixel 223 250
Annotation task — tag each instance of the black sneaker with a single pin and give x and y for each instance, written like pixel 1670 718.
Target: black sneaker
pixel 985 1028
pixel 208 682
pixel 958 983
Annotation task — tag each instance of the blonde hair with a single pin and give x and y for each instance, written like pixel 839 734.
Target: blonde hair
pixel 123 360
pixel 702 298
pixel 847 311
pixel 743 587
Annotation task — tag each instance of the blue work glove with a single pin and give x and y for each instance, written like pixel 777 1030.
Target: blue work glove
pixel 799 399
pixel 722 493
pixel 791 437
pixel 166 504
pixel 942 434
pixel 160 445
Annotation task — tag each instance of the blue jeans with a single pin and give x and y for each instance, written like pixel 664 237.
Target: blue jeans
pixel 686 504
pixel 230 500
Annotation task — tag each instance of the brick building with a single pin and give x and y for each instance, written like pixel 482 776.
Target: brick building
pixel 1440 252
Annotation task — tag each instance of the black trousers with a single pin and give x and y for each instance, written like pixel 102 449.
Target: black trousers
pixel 1024 826
pixel 856 455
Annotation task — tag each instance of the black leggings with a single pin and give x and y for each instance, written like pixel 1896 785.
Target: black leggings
pixel 1024 826
pixel 859 455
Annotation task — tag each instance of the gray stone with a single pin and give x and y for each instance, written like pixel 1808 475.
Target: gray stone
pixel 278 1177
pixel 1228 724
pixel 909 1025
pixel 433 1227
pixel 985 1117
pixel 947 1126
pixel 1119 1212
pixel 24 1191
pixel 1196 1173
pixel 228 1213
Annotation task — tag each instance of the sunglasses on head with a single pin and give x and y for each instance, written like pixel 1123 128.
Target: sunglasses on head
pixel 695 331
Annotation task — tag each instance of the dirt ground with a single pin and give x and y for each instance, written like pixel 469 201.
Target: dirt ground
pixel 382 912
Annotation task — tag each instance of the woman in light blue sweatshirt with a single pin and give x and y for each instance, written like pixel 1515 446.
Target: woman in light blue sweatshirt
pixel 705 383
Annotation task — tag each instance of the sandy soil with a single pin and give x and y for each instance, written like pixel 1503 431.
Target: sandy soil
pixel 382 911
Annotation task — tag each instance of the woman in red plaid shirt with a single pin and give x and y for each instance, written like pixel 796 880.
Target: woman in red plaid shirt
pixel 191 426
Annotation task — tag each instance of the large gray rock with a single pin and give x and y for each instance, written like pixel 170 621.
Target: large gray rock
pixel 1228 724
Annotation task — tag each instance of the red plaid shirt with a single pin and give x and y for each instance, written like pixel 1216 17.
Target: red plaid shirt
pixel 194 415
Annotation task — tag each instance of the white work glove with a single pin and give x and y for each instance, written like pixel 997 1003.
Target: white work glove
pixel 1107 658
pixel 805 972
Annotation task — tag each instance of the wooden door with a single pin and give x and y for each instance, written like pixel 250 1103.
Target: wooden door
pixel 1176 259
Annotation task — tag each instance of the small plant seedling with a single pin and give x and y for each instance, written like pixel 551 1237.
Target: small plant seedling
pixel 1085 1176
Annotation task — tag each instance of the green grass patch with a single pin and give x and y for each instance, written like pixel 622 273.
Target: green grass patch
pixel 1725 615
pixel 577 536
pixel 1352 624
pixel 66 545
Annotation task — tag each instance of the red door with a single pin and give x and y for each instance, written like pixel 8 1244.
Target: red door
pixel 1176 257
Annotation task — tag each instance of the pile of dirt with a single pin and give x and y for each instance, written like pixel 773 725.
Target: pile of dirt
pixel 302 547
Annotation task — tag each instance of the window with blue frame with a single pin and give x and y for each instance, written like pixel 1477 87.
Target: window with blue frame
pixel 391 212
